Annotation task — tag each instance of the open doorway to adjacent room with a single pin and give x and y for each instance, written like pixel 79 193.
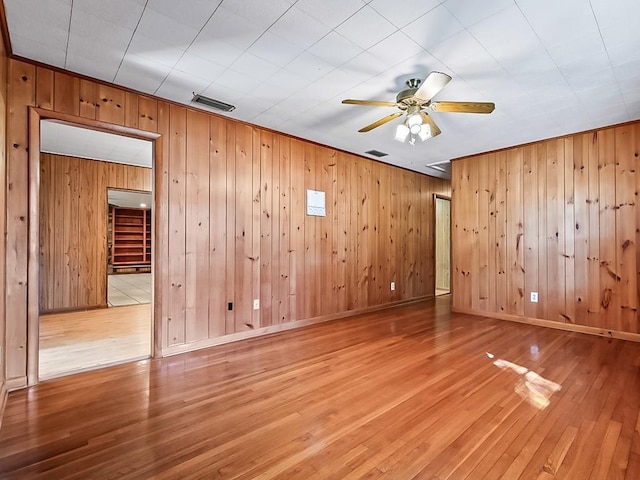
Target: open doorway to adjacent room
pixel 443 245
pixel 95 210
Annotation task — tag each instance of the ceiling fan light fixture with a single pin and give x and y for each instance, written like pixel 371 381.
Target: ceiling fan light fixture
pixel 402 132
pixel 414 122
pixel 425 132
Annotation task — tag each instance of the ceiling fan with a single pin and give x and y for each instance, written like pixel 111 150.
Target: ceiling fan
pixel 413 100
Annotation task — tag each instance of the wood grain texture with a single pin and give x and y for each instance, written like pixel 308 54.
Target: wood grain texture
pixel 3 219
pixel 73 228
pixel 574 200
pixel 212 207
pixel 427 403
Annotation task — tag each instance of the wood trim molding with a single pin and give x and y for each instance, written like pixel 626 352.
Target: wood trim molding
pixel 234 337
pixel 15 383
pixel 569 327
pixel 33 310
pixel 5 31
pixel 4 394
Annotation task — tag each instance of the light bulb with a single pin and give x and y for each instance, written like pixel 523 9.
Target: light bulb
pixel 402 132
pixel 425 132
pixel 414 122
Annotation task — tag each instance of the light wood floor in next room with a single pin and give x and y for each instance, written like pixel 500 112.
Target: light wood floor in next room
pixel 403 393
pixel 75 341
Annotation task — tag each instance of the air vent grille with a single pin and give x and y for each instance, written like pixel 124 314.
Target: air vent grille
pixel 377 153
pixel 210 102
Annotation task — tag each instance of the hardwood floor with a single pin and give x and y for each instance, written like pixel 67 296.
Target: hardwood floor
pixel 71 342
pixel 403 393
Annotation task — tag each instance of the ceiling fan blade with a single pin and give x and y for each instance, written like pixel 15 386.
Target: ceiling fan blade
pixel 374 103
pixel 382 121
pixel 463 107
pixel 435 82
pixel 426 119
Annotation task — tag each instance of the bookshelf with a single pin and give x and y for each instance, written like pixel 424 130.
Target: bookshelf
pixel 131 237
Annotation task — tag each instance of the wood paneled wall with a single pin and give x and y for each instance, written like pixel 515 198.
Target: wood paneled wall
pixel 559 217
pixel 73 228
pixel 3 198
pixel 230 218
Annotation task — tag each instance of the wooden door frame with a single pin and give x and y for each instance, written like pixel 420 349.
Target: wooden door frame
pixel 435 230
pixel 33 269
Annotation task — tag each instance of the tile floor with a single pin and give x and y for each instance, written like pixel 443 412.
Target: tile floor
pixel 129 289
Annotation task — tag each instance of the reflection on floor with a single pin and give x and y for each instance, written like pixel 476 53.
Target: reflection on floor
pixel 440 291
pixel 129 289
pixel 76 341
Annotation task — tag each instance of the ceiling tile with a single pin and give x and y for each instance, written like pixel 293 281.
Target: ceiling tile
pixel 224 94
pixel 86 25
pixel 140 73
pixel 46 53
pixel 215 50
pixel 330 12
pixel 552 29
pixel 125 13
pixel 364 66
pixel 579 47
pixel 166 30
pixel 180 87
pixel 469 12
pixel 263 14
pixel 394 49
pixel 309 66
pixel 232 29
pixel 81 46
pixel 257 67
pixel 274 49
pixel 153 50
pixel 403 12
pixel 366 28
pixel 508 37
pixel 299 28
pixel 433 27
pixel 199 67
pixel 41 33
pixel 80 59
pixel 27 15
pixel 239 81
pixel 335 49
pixel 195 14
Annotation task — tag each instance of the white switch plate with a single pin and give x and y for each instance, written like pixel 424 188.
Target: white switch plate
pixel 256 304
pixel 393 286
pixel 534 297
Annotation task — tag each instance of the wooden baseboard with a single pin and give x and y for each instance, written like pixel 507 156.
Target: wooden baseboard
pixel 259 332
pixel 3 400
pixel 16 383
pixel 570 327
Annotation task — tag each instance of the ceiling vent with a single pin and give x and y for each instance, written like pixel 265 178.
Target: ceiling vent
pixel 377 153
pixel 210 102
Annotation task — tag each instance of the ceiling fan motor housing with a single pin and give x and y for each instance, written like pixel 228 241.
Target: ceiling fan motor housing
pixel 406 98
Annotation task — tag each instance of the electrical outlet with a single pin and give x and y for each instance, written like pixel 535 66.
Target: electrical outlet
pixel 534 297
pixel 256 304
pixel 393 286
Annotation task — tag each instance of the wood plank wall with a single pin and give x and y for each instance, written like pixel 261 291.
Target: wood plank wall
pixel 231 223
pixel 73 228
pixel 3 198
pixel 559 217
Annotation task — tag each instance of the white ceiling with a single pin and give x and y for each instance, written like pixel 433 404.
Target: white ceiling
pixel 552 67
pixel 64 139
pixel 129 198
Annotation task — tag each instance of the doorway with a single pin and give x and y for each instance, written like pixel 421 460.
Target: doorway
pixel 78 330
pixel 443 245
